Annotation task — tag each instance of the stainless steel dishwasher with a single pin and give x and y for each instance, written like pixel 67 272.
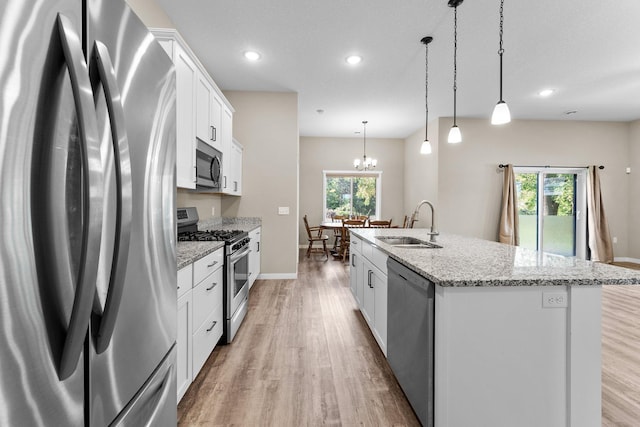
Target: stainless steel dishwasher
pixel 410 336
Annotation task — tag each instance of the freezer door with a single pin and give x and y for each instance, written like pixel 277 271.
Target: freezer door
pixel 154 405
pixel 50 191
pixel 133 325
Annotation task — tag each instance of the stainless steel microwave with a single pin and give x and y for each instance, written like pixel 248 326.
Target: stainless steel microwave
pixel 208 168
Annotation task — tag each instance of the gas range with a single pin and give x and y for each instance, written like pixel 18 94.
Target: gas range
pixel 188 232
pixel 235 291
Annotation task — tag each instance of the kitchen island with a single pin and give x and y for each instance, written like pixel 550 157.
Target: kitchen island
pixel 516 332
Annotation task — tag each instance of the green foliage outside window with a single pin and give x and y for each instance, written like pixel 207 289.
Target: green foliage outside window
pixel 351 196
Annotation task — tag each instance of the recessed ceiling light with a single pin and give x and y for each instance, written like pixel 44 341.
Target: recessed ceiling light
pixel 251 55
pixel 546 92
pixel 354 59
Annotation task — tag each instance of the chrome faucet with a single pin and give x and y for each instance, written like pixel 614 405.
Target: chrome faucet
pixel 433 232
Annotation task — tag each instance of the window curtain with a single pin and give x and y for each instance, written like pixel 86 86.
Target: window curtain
pixel 509 230
pixel 599 237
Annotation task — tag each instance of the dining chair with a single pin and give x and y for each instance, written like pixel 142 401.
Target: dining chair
pixel 345 241
pixel 314 234
pixel 380 223
pixel 337 232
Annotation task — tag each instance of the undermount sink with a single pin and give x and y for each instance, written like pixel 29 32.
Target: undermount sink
pixel 407 242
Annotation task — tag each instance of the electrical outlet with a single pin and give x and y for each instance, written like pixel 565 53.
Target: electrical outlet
pixel 615 240
pixel 555 300
pixel 213 211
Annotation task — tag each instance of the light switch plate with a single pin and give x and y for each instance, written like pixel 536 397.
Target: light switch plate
pixel 283 210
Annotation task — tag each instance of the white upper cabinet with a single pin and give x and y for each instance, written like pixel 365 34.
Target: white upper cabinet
pixel 208 113
pixel 186 77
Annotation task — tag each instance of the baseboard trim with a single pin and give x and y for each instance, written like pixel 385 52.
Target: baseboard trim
pixel 626 259
pixel 277 276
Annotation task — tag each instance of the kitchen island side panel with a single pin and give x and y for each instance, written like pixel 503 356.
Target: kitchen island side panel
pixel 501 359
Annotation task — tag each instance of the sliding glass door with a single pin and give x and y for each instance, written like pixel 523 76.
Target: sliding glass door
pixel 552 210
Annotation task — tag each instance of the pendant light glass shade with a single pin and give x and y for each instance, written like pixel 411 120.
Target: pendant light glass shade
pixel 425 148
pixel 501 114
pixel 455 136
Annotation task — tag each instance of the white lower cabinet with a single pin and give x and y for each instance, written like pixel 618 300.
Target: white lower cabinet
pixel 254 255
pixel 369 285
pixel 184 340
pixel 355 270
pixel 199 315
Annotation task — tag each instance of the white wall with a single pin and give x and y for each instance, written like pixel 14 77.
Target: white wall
pixel 634 190
pixel 319 154
pixel 266 124
pixel 470 183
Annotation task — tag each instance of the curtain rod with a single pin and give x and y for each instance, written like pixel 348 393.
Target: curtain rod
pixel 501 166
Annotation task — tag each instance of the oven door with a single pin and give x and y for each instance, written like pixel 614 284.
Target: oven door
pixel 238 283
pixel 208 167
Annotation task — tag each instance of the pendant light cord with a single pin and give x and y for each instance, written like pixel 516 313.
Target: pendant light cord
pixel 455 60
pixel 501 49
pixel 426 93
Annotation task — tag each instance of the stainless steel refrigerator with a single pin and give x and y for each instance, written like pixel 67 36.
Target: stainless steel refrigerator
pixel 87 230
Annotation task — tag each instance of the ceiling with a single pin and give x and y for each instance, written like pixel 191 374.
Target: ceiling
pixel 586 50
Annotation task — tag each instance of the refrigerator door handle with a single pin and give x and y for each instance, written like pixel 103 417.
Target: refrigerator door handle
pixel 124 190
pixel 164 394
pixel 93 197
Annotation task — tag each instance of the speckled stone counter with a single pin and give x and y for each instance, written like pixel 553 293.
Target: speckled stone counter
pixel 190 252
pixel 464 261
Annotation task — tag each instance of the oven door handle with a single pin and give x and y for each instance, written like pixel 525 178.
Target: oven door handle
pixel 237 255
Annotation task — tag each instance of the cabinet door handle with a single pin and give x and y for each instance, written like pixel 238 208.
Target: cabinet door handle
pixel 211 265
pixel 212 286
pixel 213 133
pixel 369 278
pixel 195 174
pixel 353 260
pixel 235 185
pixel 258 245
pixel 212 326
pixel 225 181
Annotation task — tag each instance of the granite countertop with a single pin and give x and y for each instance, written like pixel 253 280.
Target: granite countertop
pixel 189 252
pixel 464 261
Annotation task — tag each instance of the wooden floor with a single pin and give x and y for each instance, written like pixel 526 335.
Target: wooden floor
pixel 621 356
pixel 303 357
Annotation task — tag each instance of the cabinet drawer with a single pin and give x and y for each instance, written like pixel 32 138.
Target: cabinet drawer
pixel 185 279
pixel 206 338
pixel 356 244
pixel 367 250
pixel 207 295
pixel 379 259
pixel 207 265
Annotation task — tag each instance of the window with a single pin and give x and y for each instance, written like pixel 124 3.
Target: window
pixel 551 210
pixel 351 193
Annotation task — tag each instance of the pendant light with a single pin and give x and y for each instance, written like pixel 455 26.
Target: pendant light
pixel 425 148
pixel 454 134
pixel 367 163
pixel 501 114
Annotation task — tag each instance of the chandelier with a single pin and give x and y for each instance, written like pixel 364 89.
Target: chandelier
pixel 366 163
